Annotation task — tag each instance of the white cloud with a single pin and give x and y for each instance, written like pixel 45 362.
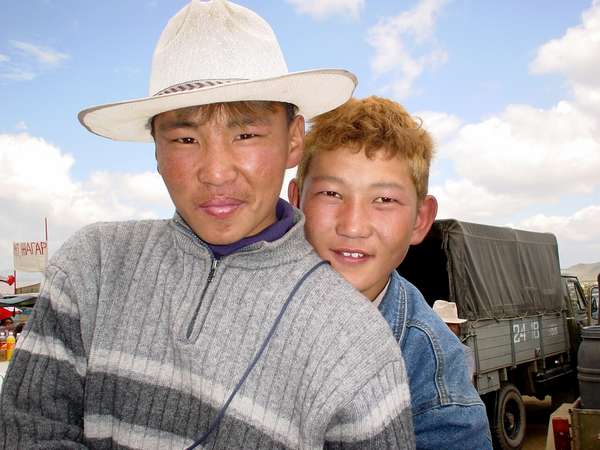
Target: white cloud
pixel 43 55
pixel 27 61
pixel 577 56
pixel 578 234
pixel 463 200
pixel 17 74
pixel 540 154
pixel 35 182
pixel 396 42
pixel 582 226
pixel 320 9
pixel 441 126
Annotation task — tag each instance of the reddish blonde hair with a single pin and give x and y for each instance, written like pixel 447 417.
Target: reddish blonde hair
pixel 373 125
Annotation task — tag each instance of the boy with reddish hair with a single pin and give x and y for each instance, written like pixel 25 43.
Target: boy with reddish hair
pixel 362 185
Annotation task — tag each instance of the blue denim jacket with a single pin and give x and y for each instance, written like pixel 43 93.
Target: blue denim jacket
pixel 447 410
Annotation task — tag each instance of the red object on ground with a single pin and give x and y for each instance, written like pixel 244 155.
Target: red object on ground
pixel 562 438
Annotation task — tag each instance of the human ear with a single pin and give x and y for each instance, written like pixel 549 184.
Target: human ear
pixel 426 213
pixel 295 141
pixel 294 193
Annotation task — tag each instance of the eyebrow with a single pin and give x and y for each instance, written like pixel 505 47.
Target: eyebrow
pixel 328 178
pixel 246 120
pixel 178 123
pixel 232 122
pixel 379 185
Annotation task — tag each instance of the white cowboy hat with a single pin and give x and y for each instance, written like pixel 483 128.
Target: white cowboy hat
pixel 447 311
pixel 212 52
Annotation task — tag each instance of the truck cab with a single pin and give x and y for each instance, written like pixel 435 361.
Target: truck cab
pixel 575 301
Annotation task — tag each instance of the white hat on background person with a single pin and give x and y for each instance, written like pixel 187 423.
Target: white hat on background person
pixel 213 52
pixel 447 311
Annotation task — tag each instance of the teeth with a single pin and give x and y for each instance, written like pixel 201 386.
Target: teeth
pixel 353 254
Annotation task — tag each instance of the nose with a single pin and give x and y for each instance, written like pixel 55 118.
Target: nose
pixel 217 166
pixel 353 220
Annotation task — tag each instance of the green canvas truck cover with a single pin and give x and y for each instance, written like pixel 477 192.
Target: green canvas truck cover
pixel 490 272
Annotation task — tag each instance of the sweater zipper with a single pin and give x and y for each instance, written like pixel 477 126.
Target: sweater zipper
pixel 211 275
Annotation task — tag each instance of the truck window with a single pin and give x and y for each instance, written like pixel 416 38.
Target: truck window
pixel 574 296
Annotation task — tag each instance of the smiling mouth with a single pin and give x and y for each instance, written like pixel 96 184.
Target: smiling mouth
pixel 351 255
pixel 354 255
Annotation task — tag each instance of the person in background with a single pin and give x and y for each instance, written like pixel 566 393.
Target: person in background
pixel 362 184
pixel 220 328
pixel 449 314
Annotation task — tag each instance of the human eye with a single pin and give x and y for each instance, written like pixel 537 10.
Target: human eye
pixel 331 194
pixel 246 136
pixel 385 200
pixel 185 140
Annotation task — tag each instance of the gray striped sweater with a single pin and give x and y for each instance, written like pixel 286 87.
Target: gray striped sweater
pixel 139 336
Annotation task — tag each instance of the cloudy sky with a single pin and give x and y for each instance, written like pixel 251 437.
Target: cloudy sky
pixel 510 91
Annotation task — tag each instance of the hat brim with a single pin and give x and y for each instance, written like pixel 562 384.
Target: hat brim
pixel 452 320
pixel 313 92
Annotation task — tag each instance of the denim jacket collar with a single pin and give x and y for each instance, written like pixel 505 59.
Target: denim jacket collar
pixel 394 306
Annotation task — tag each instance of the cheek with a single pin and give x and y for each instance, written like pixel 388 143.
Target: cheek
pixel 320 217
pixel 169 169
pixel 174 171
pixel 394 232
pixel 262 168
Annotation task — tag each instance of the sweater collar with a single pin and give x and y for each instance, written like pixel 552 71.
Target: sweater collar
pixel 284 241
pixel 285 221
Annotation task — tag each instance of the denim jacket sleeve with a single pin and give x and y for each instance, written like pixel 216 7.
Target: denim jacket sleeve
pixel 447 410
pixel 453 427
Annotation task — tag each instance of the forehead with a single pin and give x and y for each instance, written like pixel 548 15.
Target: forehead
pixel 345 162
pixel 233 111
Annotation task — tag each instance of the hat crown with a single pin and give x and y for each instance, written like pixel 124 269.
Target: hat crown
pixel 447 311
pixel 215 40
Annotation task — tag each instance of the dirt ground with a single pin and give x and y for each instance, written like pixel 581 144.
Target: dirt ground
pixel 538 413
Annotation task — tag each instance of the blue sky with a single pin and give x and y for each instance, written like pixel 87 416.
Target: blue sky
pixel 510 90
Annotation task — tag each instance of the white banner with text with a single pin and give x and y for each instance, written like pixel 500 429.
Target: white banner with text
pixel 30 256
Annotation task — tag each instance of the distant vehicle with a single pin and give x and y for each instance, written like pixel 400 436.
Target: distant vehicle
pixel 524 318
pixel 595 301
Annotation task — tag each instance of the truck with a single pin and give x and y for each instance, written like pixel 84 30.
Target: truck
pixel 524 318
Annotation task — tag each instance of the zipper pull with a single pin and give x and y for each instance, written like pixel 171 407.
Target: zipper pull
pixel 213 269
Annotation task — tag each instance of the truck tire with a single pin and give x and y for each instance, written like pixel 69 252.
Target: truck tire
pixel 508 426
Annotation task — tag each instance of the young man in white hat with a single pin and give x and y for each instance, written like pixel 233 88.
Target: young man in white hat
pixel 221 327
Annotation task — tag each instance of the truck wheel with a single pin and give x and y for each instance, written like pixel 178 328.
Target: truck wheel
pixel 508 428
